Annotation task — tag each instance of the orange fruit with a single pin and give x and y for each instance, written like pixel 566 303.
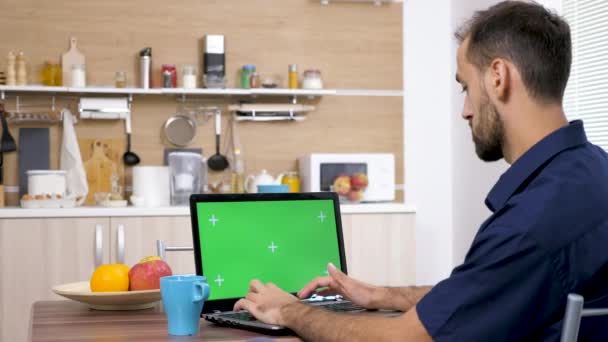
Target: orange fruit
pixel 110 278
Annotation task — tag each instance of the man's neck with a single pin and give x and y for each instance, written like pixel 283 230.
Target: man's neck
pixel 529 125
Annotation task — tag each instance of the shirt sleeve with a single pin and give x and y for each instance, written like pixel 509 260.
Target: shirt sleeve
pixel 501 292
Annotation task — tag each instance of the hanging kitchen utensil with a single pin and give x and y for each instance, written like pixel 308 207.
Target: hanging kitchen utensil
pixel 7 143
pixel 180 130
pixel 217 162
pixel 129 158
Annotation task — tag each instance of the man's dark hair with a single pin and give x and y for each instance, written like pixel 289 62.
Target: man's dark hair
pixel 534 39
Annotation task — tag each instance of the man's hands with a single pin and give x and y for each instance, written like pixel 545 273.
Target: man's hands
pixel 265 302
pixel 356 291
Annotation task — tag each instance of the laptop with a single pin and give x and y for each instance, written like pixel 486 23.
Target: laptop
pixel 284 238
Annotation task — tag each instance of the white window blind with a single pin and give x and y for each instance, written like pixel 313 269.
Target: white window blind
pixel 586 95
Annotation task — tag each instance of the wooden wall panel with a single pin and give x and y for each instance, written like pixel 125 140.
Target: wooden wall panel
pixel 356 46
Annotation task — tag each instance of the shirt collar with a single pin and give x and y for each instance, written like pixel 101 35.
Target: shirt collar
pixel 561 139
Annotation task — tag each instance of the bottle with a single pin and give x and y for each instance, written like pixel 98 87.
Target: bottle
pixel 145 67
pixel 246 71
pixel 11 72
pixel 293 77
pixel 237 178
pixel 21 70
pixel 189 77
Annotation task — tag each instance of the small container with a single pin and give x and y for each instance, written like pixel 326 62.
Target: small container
pixel 121 79
pixel 292 82
pixel 254 80
pixel 291 179
pixel 246 72
pixel 169 76
pixel 189 77
pixel 312 79
pixel 78 76
pixel 46 182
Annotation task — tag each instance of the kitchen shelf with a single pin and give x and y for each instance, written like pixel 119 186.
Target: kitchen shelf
pixel 199 91
pixel 16 212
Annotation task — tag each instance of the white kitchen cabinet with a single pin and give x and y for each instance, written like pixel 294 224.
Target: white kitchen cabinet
pixel 37 254
pixel 133 238
pixel 380 248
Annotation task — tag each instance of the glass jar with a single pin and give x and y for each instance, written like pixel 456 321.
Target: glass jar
pixel 56 74
pixel 45 74
pixel 169 75
pixel 78 76
pixel 121 79
pixel 255 81
pixel 246 72
pixel 312 79
pixel 291 179
pixel 189 77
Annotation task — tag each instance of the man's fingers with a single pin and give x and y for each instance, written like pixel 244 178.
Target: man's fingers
pixel 242 304
pixel 311 287
pixel 335 273
pixel 252 296
pixel 255 286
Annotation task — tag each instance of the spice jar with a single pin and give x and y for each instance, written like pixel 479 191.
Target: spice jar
pixel 120 79
pixel 255 81
pixel 291 179
pixel 189 77
pixel 246 72
pixel 293 76
pixel 312 79
pixel 169 76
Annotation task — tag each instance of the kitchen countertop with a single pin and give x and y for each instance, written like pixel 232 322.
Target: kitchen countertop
pixel 17 212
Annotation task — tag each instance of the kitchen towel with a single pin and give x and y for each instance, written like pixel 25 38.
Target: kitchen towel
pixel 71 160
pixel 33 152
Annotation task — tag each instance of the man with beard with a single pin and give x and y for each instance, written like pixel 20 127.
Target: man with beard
pixel 549 225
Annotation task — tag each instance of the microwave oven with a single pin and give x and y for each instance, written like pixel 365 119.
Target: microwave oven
pixel 318 171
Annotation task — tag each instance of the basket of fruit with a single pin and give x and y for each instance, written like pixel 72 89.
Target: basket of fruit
pixel 350 188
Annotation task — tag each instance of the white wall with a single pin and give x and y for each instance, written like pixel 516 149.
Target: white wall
pixel 444 178
pixel 428 109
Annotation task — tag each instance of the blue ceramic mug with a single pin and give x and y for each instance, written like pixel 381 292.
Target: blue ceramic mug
pixel 183 297
pixel 273 188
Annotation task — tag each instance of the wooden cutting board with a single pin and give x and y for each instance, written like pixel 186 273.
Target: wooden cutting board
pixel 102 158
pixel 71 57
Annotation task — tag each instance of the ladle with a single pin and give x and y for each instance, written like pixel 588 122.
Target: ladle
pixel 217 162
pixel 129 158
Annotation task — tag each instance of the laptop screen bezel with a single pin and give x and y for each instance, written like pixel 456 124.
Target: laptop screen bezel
pixel 228 304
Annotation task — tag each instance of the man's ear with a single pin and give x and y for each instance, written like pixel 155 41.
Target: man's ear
pixel 499 77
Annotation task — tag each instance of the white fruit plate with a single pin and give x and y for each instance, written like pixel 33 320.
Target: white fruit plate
pixel 122 300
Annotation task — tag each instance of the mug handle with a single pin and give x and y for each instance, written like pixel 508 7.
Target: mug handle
pixel 200 291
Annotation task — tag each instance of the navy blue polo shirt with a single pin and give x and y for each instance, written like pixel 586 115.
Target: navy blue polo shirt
pixel 547 237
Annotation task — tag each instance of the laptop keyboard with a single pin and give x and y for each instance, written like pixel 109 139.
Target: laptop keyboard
pixel 344 306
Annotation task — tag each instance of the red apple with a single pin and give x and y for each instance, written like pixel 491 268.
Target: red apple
pixel 359 180
pixel 146 274
pixel 342 185
pixel 355 195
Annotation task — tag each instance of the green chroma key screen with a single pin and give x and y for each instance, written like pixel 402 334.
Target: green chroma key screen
pixel 284 242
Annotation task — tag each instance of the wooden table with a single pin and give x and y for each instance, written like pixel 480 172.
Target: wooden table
pixel 72 321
